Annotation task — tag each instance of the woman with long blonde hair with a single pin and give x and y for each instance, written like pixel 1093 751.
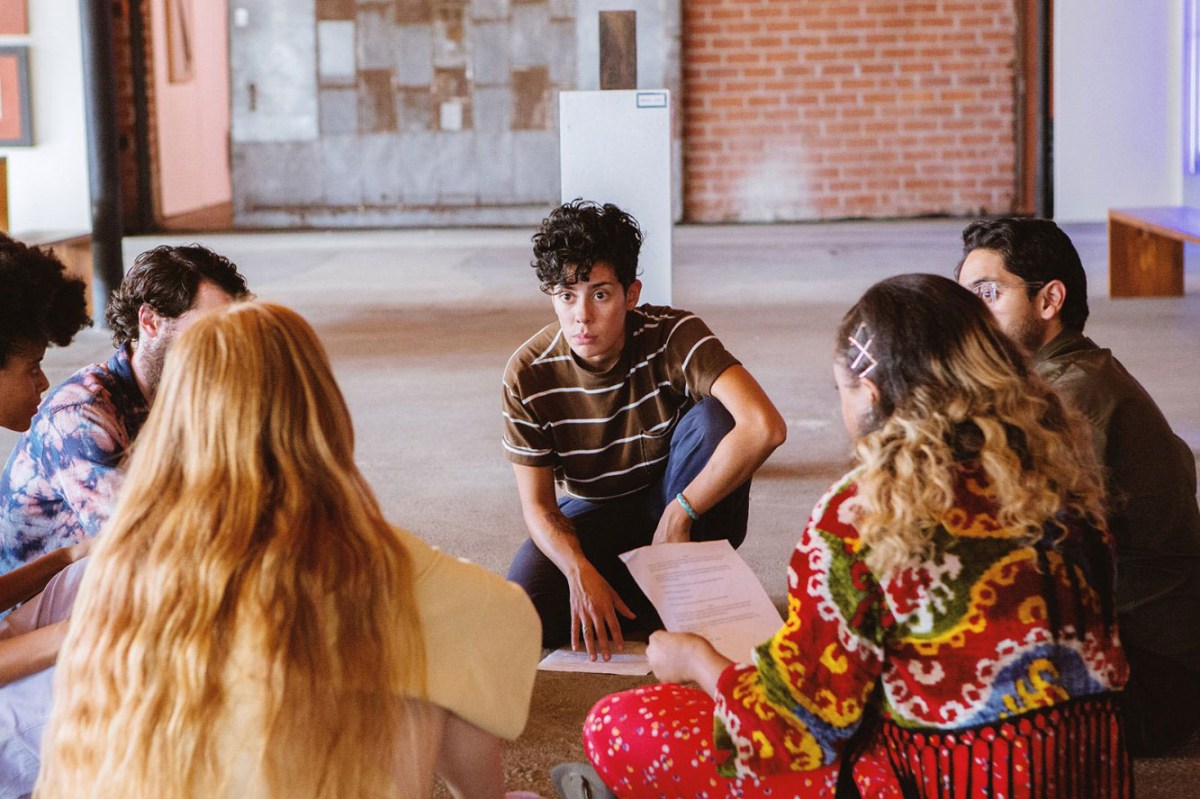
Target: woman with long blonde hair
pixel 951 628
pixel 251 626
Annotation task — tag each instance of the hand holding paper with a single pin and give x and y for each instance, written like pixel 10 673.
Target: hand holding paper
pixel 706 588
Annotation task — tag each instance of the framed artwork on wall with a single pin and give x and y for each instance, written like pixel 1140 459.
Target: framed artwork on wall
pixel 14 18
pixel 16 121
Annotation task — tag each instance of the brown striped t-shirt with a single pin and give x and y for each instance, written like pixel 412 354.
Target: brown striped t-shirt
pixel 608 433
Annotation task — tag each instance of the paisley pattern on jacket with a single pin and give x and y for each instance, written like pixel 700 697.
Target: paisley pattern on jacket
pixel 986 627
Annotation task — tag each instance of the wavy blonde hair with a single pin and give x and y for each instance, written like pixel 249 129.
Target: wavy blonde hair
pixel 244 529
pixel 953 387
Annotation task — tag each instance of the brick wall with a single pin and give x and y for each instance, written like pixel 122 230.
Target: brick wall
pixel 824 109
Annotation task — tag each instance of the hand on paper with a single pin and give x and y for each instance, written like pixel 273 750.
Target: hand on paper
pixel 594 608
pixel 674 527
pixel 685 657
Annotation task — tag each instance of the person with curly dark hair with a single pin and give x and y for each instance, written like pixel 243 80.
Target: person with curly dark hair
pixel 60 483
pixel 648 426
pixel 39 305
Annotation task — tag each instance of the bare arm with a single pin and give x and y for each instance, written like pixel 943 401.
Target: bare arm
pixel 22 583
pixel 758 430
pixel 594 603
pixel 469 761
pixel 30 652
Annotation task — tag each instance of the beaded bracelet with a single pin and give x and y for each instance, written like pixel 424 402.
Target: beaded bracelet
pixel 687 506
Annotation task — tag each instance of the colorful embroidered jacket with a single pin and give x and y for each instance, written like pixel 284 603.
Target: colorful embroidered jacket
pixel 983 630
pixel 61 480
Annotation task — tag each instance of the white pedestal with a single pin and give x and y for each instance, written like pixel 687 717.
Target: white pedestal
pixel 615 147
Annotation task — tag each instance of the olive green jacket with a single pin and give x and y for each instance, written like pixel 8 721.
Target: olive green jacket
pixel 1151 479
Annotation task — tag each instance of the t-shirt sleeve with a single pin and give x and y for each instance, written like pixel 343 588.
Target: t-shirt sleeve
pixel 700 355
pixel 795 707
pixel 525 442
pixel 82 452
pixel 482 641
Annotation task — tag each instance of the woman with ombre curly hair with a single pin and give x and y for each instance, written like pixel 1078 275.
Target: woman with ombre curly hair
pixel 251 626
pixel 951 625
pixel 958 388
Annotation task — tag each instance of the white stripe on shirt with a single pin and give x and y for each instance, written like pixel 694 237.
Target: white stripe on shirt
pixel 646 434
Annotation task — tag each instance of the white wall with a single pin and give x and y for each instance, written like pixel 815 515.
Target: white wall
pixel 48 183
pixel 1117 103
pixel 193 117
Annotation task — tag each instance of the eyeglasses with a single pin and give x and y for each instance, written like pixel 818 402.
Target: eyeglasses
pixel 989 290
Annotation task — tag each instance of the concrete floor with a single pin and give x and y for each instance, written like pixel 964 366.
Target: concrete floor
pixel 419 325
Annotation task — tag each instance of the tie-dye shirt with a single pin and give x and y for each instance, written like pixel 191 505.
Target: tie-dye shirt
pixel 984 629
pixel 60 483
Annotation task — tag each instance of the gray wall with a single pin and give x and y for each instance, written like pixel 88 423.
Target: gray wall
pixel 356 113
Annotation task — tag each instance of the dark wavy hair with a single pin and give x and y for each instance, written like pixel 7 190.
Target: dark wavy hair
pixel 166 278
pixel 578 235
pixel 39 303
pixel 1037 251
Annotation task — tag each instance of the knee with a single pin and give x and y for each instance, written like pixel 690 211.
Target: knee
pixel 547 589
pixel 609 728
pixel 712 418
pixel 627 737
pixel 703 427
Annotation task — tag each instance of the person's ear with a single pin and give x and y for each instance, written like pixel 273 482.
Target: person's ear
pixel 1051 299
pixel 872 389
pixel 632 294
pixel 150 322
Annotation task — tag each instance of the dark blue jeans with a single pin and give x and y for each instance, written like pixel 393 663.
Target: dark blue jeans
pixel 606 529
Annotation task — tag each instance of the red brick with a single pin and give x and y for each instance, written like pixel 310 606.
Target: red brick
pixel 743 57
pixel 834 70
pixel 888 108
pixel 779 56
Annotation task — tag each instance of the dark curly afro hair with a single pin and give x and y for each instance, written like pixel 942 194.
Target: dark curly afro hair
pixel 39 303
pixel 578 235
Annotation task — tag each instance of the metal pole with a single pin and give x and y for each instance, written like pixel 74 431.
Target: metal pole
pixel 1044 169
pixel 104 178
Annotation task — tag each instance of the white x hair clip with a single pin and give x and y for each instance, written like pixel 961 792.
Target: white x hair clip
pixel 864 351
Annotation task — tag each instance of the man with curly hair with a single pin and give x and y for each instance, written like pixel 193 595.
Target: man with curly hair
pixel 60 483
pixel 648 426
pixel 39 305
pixel 1030 275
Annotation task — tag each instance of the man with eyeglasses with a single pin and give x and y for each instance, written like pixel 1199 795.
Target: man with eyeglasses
pixel 1029 274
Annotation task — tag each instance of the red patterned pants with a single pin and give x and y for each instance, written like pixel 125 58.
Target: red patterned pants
pixel 656 742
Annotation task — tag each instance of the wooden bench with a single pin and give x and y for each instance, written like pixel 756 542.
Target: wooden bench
pixel 1145 249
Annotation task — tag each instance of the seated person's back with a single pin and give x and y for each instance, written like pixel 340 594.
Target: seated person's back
pixel 299 644
pixel 951 628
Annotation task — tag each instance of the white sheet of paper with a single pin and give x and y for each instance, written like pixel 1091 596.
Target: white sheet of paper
pixel 705 587
pixel 631 661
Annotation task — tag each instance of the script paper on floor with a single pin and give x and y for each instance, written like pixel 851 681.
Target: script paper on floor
pixel 631 661
pixel 705 587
